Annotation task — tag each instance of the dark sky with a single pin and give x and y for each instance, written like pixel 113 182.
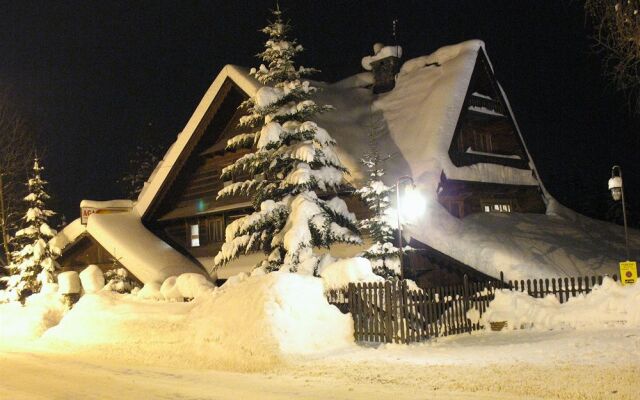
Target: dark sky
pixel 96 78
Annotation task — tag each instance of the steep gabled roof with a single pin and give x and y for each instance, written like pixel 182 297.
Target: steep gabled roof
pixel 415 123
pixel 180 150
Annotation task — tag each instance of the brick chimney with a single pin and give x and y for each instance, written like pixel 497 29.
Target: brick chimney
pixel 385 65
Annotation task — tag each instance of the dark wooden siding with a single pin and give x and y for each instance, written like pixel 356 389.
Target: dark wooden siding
pixel 485 131
pixel 86 251
pixel 462 198
pixel 192 177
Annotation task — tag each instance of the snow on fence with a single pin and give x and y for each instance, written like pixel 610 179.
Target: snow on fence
pixel 389 312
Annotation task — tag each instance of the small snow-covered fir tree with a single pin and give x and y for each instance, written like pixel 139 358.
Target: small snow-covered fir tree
pixel 33 263
pixel 384 256
pixel 293 158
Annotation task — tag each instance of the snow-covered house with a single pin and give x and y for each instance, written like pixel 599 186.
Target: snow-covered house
pixel 447 122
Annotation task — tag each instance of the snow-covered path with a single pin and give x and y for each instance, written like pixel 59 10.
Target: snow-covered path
pixel 39 376
pixel 515 365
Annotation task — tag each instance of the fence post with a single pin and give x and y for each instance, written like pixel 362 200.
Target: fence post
pixel 353 308
pixel 465 294
pixel 388 315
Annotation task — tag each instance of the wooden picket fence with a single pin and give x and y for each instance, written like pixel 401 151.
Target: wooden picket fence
pixel 562 288
pixel 391 312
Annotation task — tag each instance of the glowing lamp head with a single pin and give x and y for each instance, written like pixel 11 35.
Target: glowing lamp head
pixel 412 204
pixel 615 185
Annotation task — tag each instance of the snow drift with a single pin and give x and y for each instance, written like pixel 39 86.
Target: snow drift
pixel 249 324
pixel 40 312
pixel 608 305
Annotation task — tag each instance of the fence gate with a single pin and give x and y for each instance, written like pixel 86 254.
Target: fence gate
pixel 390 312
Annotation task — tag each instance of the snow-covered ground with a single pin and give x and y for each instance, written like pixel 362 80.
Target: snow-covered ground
pixel 274 336
pixel 565 364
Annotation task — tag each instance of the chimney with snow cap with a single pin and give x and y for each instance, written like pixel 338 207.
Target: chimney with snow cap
pixel 385 64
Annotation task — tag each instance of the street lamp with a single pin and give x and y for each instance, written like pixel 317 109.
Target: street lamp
pixel 414 203
pixel 617 192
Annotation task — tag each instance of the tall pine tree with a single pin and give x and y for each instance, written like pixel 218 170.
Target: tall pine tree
pixel 384 256
pixel 292 159
pixel 33 263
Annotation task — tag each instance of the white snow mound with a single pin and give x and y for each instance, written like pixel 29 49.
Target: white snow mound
pixel 20 323
pixel 255 323
pixel 68 282
pixel 608 305
pixel 339 274
pixel 92 279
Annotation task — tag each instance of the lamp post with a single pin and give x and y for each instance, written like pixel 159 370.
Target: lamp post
pixel 617 192
pixel 404 178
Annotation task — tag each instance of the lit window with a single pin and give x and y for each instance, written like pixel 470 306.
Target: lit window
pixel 496 207
pixel 195 235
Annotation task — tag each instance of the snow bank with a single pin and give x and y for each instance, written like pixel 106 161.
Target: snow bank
pixel 339 274
pixel 252 324
pixel 277 313
pixel 169 289
pixel 150 291
pixel 609 304
pixel 40 312
pixel 194 285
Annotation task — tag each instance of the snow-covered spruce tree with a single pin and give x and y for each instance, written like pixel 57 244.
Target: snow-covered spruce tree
pixel 33 263
pixel 384 256
pixel 293 158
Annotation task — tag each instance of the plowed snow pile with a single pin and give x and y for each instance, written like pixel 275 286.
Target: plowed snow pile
pixel 250 323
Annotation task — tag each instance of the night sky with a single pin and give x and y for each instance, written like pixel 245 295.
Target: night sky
pixel 97 78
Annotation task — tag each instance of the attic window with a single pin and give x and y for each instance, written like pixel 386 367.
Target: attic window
pixel 498 206
pixel 195 235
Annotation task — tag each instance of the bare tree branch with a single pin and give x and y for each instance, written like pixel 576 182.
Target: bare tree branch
pixel 616 26
pixel 17 146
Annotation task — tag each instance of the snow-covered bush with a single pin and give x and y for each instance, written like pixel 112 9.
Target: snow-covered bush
pixel 118 280
pixel 292 159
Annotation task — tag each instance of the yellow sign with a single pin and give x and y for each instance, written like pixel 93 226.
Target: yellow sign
pixel 628 272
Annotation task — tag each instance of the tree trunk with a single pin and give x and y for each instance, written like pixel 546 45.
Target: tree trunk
pixel 3 220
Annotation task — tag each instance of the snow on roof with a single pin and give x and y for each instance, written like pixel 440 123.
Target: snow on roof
pixel 241 78
pixel 140 251
pixel 119 204
pixel 415 123
pixel 67 235
pixel 381 52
